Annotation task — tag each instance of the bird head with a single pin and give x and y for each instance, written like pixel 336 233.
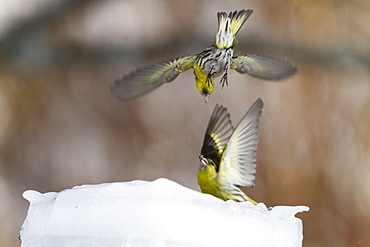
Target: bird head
pixel 205 86
pixel 206 91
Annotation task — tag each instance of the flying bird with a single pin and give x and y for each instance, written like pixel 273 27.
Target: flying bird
pixel 228 155
pixel 207 65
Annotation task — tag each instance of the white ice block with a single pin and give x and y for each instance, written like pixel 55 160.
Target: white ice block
pixel 158 213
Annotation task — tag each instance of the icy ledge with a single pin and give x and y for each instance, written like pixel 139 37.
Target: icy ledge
pixel 158 213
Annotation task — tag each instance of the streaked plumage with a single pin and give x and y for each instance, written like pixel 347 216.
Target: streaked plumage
pixel 228 155
pixel 209 64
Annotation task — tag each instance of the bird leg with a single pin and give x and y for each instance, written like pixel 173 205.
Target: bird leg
pixel 209 76
pixel 224 80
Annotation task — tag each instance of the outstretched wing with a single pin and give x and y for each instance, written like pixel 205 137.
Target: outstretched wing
pixel 238 163
pixel 144 80
pixel 262 67
pixel 217 135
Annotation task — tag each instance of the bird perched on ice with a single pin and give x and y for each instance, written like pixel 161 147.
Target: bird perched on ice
pixel 207 65
pixel 228 155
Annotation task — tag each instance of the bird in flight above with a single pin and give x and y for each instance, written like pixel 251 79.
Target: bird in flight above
pixel 207 65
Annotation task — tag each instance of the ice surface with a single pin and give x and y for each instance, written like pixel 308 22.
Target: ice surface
pixel 158 213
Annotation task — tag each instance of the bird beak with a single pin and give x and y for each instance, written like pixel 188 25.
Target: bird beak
pixel 205 96
pixel 203 161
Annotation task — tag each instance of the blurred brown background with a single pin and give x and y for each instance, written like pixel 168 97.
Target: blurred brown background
pixel 60 127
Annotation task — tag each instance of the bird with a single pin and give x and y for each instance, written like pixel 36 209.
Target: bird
pixel 213 62
pixel 228 155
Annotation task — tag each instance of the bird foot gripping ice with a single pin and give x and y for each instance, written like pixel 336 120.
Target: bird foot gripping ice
pixel 207 65
pixel 158 213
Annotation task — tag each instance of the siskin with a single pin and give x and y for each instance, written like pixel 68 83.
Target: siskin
pixel 207 65
pixel 228 156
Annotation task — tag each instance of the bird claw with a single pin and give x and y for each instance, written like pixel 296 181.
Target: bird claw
pixel 224 80
pixel 209 77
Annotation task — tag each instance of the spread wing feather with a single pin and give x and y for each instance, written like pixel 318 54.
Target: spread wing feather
pixel 217 134
pixel 262 67
pixel 144 80
pixel 238 163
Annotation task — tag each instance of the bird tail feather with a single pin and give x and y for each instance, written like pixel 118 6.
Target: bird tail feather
pixel 229 26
